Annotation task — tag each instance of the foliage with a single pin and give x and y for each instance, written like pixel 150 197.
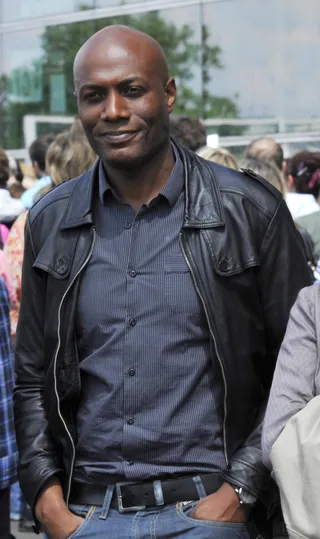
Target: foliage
pixel 61 43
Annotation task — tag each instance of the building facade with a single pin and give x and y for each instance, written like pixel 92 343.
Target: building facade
pixel 231 58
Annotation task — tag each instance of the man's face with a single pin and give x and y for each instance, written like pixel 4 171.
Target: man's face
pixel 123 104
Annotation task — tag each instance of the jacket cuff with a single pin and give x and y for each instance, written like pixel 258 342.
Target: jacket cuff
pixel 247 471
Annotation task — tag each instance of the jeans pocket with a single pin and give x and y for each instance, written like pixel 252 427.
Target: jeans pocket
pixel 184 511
pixel 84 511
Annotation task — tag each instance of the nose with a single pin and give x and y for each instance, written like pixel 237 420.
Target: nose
pixel 115 107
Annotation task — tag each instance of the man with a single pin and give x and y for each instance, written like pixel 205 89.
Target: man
pixel 38 151
pixel 188 131
pixel 266 149
pixel 8 448
pixel 156 290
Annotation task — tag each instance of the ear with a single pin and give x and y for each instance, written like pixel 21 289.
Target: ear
pixel 291 182
pixel 171 94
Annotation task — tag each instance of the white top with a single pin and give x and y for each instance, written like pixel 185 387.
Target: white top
pixel 10 207
pixel 300 204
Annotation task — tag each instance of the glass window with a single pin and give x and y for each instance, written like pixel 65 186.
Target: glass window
pixel 231 59
pixel 269 52
pixel 37 67
pixel 14 10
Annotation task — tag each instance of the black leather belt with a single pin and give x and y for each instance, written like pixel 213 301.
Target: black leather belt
pixel 138 496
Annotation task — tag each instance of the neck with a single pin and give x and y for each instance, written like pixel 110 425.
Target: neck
pixel 139 186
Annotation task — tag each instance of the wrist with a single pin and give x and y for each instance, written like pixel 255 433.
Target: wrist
pixel 229 493
pixel 50 502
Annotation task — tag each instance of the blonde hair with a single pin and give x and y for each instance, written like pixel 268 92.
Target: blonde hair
pixel 268 170
pixel 220 156
pixel 68 157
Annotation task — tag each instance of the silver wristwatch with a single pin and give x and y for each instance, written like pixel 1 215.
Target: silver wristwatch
pixel 239 492
pixel 245 498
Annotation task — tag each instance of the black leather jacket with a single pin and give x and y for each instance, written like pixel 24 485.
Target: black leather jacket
pixel 247 264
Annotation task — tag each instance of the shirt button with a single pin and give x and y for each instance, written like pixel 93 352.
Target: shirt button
pixel 132 322
pixel 130 421
pixel 130 462
pixel 132 273
pixel 131 372
pixel 127 225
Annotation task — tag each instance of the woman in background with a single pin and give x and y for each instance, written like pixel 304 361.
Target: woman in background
pixel 219 155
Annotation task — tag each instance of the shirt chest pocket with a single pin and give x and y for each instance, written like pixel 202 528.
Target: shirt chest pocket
pixel 179 291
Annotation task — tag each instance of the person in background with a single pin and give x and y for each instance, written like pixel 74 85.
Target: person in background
pixel 13 250
pixel 297 378
pixel 16 190
pixel 156 291
pixel 268 170
pixel 302 177
pixel 222 156
pixel 8 449
pixel 16 174
pixel 271 173
pixel 266 149
pixel 10 208
pixel 68 156
pixel 304 170
pixel 6 275
pixel 37 152
pixel 188 131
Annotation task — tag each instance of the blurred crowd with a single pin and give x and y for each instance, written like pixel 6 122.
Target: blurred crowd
pixel 56 159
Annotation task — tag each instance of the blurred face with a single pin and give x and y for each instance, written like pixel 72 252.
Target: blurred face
pixel 123 104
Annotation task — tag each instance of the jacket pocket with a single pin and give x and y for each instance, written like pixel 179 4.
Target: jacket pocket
pixel 179 291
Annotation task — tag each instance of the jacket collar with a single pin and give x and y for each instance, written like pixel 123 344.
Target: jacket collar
pixel 203 208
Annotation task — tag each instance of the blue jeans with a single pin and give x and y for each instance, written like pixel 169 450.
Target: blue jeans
pixel 167 522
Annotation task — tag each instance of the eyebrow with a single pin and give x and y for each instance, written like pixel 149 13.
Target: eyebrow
pixel 95 86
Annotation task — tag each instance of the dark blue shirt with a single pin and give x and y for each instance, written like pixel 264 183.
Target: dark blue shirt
pixel 151 400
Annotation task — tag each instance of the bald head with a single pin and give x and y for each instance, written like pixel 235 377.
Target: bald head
pixel 118 41
pixel 265 149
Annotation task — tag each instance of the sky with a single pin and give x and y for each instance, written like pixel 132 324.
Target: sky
pixel 270 49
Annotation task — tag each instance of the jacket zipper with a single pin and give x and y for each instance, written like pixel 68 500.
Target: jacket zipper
pixel 56 356
pixel 215 344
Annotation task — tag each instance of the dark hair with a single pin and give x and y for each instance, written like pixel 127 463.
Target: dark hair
pixel 305 169
pixel 265 149
pixel 4 169
pixel 188 131
pixel 38 150
pixel 19 174
pixel 16 190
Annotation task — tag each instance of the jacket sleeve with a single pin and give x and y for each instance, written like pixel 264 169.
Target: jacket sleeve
pixel 37 454
pixel 297 366
pixel 282 274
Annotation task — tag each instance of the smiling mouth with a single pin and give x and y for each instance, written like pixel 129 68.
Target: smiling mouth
pixel 119 137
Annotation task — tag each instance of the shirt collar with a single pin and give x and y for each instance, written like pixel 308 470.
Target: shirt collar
pixel 171 190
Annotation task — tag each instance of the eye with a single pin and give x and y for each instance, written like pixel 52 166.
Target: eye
pixel 134 91
pixel 92 97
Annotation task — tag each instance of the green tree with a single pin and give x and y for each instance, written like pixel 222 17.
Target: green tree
pixel 61 43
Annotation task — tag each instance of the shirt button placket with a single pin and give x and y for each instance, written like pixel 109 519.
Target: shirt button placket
pixel 129 389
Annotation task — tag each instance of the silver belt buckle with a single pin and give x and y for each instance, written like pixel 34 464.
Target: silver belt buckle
pixel 119 498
